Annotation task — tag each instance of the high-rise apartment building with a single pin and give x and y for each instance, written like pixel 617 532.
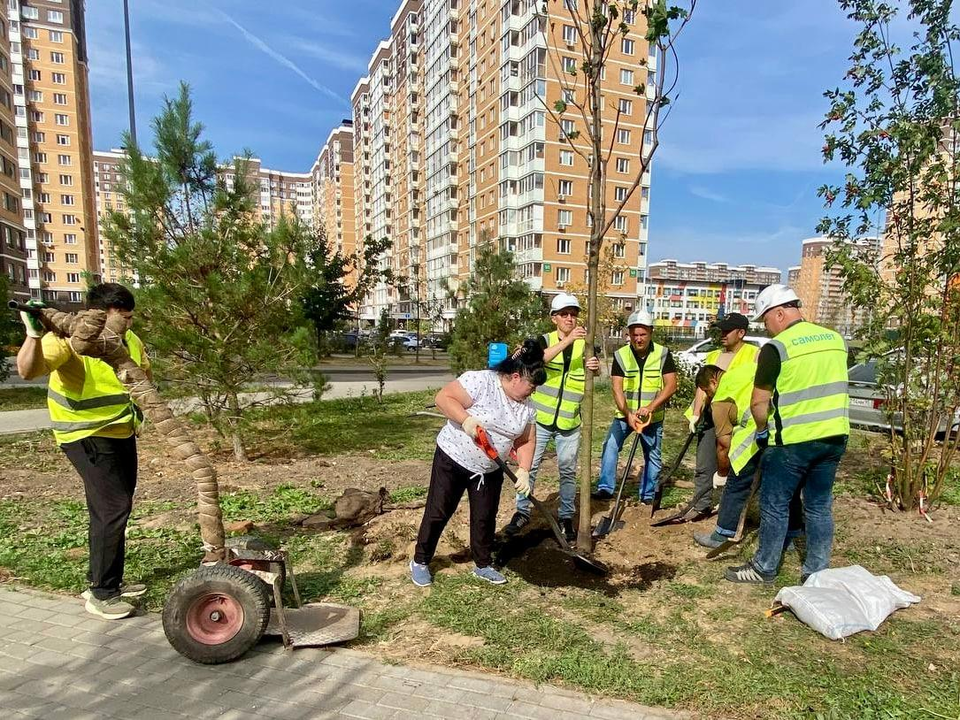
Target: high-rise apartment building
pixel 331 181
pixel 690 295
pixel 280 193
pixel 48 54
pixel 106 183
pixel 13 248
pixel 793 276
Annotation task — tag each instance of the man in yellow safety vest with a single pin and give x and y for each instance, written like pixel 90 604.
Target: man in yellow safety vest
pixel 557 402
pixel 94 423
pixel 732 353
pixel 644 378
pixel 802 376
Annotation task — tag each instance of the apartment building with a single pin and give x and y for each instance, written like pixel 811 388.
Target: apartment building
pixel 280 193
pixel 48 55
pixel 332 186
pixel 793 276
pixel 690 295
pixel 821 288
pixel 13 248
pixel 106 183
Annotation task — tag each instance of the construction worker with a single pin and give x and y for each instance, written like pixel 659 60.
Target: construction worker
pixel 644 378
pixel 802 377
pixel 557 402
pixel 94 423
pixel 733 352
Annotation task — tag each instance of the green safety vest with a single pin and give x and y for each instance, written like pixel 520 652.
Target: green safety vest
pixel 642 391
pixel 737 384
pixel 746 354
pixel 558 399
pixel 811 400
pixel 81 411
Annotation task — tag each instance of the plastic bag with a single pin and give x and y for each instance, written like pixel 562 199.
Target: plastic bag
pixel 838 602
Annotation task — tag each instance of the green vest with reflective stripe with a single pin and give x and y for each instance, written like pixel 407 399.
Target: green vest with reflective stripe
pixel 642 391
pixel 559 398
pixel 737 384
pixel 746 354
pixel 811 400
pixel 79 412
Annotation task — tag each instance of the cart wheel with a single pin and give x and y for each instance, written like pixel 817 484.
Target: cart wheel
pixel 216 614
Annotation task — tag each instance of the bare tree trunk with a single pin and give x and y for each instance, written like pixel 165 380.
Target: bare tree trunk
pixel 239 451
pixel 91 333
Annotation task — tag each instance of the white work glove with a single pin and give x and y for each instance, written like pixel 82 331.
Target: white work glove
pixel 523 482
pixel 470 426
pixel 32 323
pixel 719 480
pixel 693 424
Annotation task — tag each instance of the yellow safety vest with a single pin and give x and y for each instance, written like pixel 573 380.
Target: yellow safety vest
pixel 558 399
pixel 642 391
pixel 811 400
pixel 79 411
pixel 746 354
pixel 737 385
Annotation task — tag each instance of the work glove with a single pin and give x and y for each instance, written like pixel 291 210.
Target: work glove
pixel 763 438
pixel 35 328
pixel 470 426
pixel 523 482
pixel 719 480
pixel 693 424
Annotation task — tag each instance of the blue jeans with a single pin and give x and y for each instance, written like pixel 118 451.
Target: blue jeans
pixel 651 440
pixel 568 447
pixel 812 467
pixel 736 493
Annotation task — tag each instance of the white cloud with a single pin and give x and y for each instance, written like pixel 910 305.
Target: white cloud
pixel 708 194
pixel 330 55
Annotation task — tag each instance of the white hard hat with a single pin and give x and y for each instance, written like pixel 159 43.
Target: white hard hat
pixel 773 296
pixel 640 317
pixel 564 300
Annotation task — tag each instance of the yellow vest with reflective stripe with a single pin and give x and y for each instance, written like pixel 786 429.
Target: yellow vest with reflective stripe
pixel 737 385
pixel 747 353
pixel 81 411
pixel 642 391
pixel 560 396
pixel 811 400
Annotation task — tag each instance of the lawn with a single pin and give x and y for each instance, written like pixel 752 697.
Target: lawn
pixel 22 398
pixel 663 629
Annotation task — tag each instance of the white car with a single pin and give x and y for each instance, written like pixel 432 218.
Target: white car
pixel 695 355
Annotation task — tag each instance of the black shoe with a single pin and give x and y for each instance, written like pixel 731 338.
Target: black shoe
pixel 569 533
pixel 517 523
pixel 601 494
pixel 646 501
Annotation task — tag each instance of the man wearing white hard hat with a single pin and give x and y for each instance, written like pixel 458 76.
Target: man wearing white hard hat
pixel 644 377
pixel 800 405
pixel 557 402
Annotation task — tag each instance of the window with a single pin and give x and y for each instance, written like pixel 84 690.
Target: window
pixel 563 274
pixel 61 119
pixel 47 238
pixel 617 277
pixel 73 277
pixel 43 197
pixel 49 257
pixel 43 177
pixel 57 58
pixel 70 239
pixel 566 157
pixel 623 136
pixel 36 116
pixel 59 79
pixel 34 74
pixel 72 258
pixel 33 54
pixel 69 219
pixel 625 106
pixel 569 65
pixel 623 165
pixel 39 137
pixel 55 16
pixel 626 77
pixel 629 16
pixel 60 98
pixel 564 218
pixel 29 13
pixel 45 217
pixel 56 36
pixel 35 96
pixel 64 160
pixel 643 221
pixel 621 223
pixel 567 128
pixel 620 194
pixel 565 187
pixel 30 33
pixel 66 179
pixel 10 202
pixel 619 250
pixel 49 276
pixel 569 34
pixel 63 139
pixel 67 200
pixel 563 246
pixel 626 45
pixel 40 157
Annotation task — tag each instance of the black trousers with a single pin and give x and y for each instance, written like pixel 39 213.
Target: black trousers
pixel 108 467
pixel 448 480
pixel 736 493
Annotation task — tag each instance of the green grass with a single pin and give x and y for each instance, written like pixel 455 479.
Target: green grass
pixel 22 398
pixel 283 502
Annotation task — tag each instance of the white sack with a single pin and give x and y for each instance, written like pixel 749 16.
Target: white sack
pixel 838 602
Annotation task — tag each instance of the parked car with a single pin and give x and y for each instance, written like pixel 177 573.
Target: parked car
pixel 411 343
pixel 696 354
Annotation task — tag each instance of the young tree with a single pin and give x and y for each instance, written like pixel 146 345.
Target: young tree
pixel 599 25
pixel 611 319
pixel 219 290
pixel 500 308
pixel 895 124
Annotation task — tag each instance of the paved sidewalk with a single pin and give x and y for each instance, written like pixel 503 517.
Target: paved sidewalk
pixel 19 421
pixel 56 661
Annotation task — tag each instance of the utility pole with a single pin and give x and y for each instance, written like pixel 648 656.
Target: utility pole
pixel 133 113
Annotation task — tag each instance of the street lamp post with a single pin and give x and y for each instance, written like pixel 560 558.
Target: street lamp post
pixel 133 114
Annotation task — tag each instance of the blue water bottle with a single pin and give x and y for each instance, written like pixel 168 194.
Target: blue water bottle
pixel 496 353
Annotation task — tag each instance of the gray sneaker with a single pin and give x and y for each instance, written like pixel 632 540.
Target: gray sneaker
pixel 110 609
pixel 710 540
pixel 490 575
pixel 420 574
pixel 133 590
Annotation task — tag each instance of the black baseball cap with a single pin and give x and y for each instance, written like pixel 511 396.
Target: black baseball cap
pixel 732 321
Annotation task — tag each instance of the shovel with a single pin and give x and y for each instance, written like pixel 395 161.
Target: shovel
pixel 662 483
pixel 610 523
pixel 581 561
pixel 736 539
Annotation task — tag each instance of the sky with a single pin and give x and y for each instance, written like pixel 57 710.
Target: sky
pixel 734 179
